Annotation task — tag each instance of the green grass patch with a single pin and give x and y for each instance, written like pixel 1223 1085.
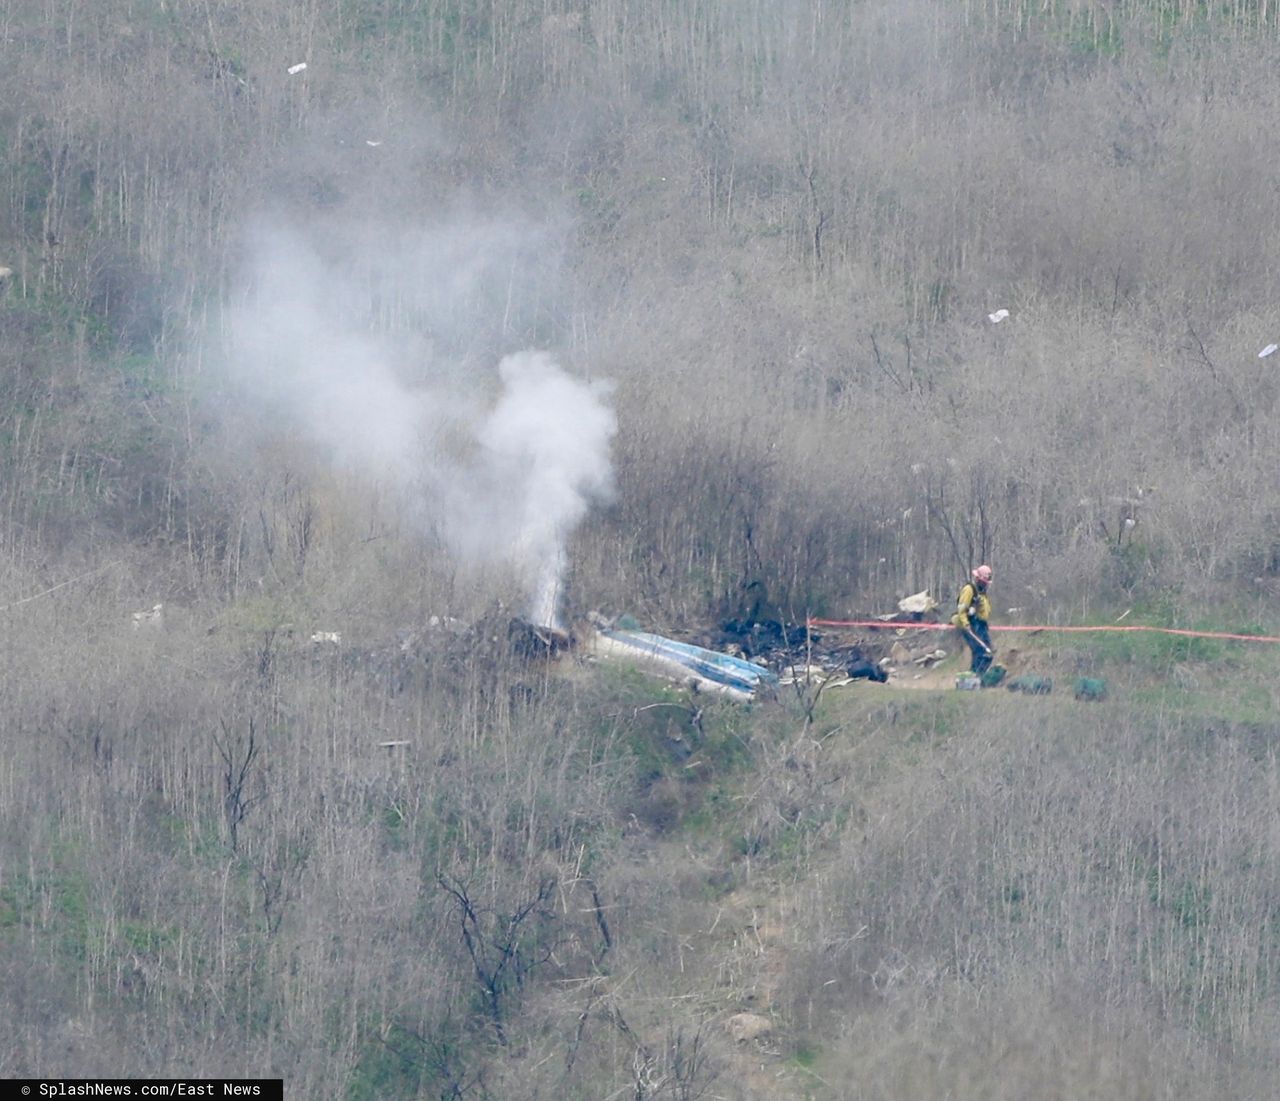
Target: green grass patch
pixel 1153 650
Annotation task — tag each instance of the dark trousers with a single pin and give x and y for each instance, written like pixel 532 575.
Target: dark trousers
pixel 981 658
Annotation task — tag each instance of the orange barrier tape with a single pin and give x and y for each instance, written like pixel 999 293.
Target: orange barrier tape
pixel 878 624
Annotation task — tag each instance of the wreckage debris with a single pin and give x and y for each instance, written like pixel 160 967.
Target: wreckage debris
pixel 918 604
pixel 707 670
pixel 911 609
pixel 531 640
pixel 756 637
pixel 804 674
pixel 862 669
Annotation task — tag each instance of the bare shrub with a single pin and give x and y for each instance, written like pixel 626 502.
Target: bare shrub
pixel 1067 852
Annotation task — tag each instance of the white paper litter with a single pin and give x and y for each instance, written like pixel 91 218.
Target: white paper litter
pixel 297 68
pixel 997 317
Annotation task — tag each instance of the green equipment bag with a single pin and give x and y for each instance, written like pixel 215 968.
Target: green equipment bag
pixel 993 676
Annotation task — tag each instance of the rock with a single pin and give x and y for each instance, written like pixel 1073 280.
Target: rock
pixel 899 654
pixel 748 1026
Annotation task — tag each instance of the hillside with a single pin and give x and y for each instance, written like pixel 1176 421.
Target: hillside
pixel 335 335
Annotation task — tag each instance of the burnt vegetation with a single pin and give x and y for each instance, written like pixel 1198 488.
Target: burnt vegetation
pixel 331 811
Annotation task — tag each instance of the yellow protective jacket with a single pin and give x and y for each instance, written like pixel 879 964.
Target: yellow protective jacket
pixel 973 603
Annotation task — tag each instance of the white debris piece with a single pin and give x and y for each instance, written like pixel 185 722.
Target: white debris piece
pixel 804 674
pixel 917 603
pixel 1268 350
pixel 295 69
pixel 372 144
pixel 997 317
pixel 151 619
pixel 326 636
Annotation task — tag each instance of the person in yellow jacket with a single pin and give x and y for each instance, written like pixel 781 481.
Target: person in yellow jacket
pixel 973 610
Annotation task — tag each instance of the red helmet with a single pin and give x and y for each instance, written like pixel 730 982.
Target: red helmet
pixel 983 574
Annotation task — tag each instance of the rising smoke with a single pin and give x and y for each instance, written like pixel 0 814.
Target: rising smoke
pixel 497 476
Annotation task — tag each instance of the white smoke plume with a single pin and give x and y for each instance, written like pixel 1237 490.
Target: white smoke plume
pixel 384 405
pixel 551 434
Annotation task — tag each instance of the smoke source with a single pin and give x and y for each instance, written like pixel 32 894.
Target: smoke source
pixel 553 433
pixel 533 460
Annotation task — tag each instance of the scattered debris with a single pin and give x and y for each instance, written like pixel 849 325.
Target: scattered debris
pixel 153 619
pixel 529 640
pixel 804 674
pixel 918 604
pixel 333 637
pixel 295 69
pixel 997 317
pixel 372 144
pixel 1268 350
pixel 911 609
pixel 968 682
pixel 862 669
pixel 751 637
